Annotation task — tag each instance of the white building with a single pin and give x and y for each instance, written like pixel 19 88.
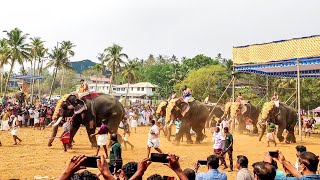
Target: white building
pixel 139 91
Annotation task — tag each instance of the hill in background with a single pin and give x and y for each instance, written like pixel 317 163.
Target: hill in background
pixel 80 66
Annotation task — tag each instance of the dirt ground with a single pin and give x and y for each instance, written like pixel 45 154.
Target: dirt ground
pixel 33 158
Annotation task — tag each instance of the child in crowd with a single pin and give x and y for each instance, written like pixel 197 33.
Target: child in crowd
pixel 102 137
pixel 36 119
pixel 126 134
pixel 65 137
pixel 271 128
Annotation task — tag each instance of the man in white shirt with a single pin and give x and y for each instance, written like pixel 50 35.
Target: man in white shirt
pixel 218 144
pixel 153 138
pixel 299 149
pixel 242 165
pixel 31 115
pixel 36 119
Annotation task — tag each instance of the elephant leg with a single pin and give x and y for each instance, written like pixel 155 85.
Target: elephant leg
pixel 93 139
pixel 200 136
pixel 73 131
pixel 279 134
pixel 263 130
pixel 290 136
pixel 241 125
pixel 184 129
pixel 255 129
pixel 53 135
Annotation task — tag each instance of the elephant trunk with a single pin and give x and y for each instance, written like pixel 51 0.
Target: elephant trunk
pixel 53 135
pixel 263 130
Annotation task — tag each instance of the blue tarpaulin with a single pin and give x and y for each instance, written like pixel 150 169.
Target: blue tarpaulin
pixel 25 77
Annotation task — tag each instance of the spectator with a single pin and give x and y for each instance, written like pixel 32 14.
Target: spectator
pixel 155 177
pixel 213 173
pixel 191 175
pixel 228 148
pixel 218 143
pixel 128 170
pixel 263 171
pixel 153 138
pixel 279 174
pixel 308 165
pixel 299 149
pixel 102 137
pixel 31 115
pixel 115 154
pixel 242 165
pixel 173 164
pixel 75 164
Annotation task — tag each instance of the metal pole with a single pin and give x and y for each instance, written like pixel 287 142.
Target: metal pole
pixel 298 95
pixel 233 77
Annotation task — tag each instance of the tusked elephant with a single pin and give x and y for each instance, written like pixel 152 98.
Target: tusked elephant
pixel 284 116
pixel 101 106
pixel 193 115
pixel 243 110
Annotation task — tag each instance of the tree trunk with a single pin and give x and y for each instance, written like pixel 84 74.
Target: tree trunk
pixel 32 85
pixel 40 73
pixel 96 90
pixel 127 90
pixel 62 81
pixel 7 80
pixel 54 78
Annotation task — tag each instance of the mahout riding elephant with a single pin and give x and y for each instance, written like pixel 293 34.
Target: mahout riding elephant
pixel 99 107
pixel 193 115
pixel 214 112
pixel 284 116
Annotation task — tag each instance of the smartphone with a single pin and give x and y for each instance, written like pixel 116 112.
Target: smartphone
pixel 91 161
pixel 202 162
pixel 274 154
pixel 158 157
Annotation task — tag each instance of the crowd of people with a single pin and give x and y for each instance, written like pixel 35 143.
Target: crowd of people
pixel 14 116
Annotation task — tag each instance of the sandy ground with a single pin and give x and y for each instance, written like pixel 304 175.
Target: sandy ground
pixel 33 158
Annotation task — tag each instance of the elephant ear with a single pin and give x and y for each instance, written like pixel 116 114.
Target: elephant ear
pixel 244 109
pixel 185 108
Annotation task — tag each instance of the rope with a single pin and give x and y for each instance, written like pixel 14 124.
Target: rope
pixel 221 96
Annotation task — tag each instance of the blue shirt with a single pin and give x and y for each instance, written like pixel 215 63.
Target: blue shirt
pixel 305 177
pixel 211 175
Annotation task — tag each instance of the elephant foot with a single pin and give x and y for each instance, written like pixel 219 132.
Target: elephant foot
pixel 197 142
pixel 189 142
pixel 175 142
pixel 288 142
pixel 281 138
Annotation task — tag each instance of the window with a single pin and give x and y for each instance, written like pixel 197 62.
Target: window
pixel 132 89
pixel 123 89
pixel 142 89
pixel 114 89
pixel 153 89
pixel 138 89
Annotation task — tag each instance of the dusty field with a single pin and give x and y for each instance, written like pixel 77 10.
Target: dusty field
pixel 33 157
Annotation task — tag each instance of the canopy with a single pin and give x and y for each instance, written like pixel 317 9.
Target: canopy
pixel 316 109
pixel 280 58
pixel 25 77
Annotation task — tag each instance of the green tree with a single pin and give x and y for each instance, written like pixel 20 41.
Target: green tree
pixel 37 53
pixel 67 47
pixel 58 60
pixel 18 49
pixel 114 59
pixel 129 73
pixel 206 81
pixel 4 58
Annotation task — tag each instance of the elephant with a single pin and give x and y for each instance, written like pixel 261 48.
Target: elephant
pixel 21 97
pixel 217 112
pixel 284 116
pixel 102 106
pixel 193 115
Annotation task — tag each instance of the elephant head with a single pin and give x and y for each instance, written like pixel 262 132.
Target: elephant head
pixel 176 108
pixel 65 108
pixel 268 114
pixel 161 110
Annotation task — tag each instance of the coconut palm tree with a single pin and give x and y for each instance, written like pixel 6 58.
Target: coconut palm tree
pixel 114 59
pixel 129 73
pixel 37 52
pixel 4 58
pixel 18 50
pixel 67 46
pixel 58 60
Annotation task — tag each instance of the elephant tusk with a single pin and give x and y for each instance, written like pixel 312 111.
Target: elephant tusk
pixel 58 122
